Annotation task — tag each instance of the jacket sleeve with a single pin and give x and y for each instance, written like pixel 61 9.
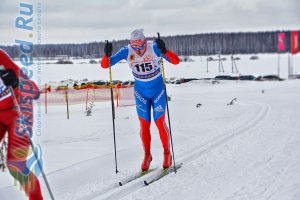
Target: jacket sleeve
pixel 114 59
pixel 170 56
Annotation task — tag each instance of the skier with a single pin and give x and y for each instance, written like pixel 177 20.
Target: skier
pixel 10 122
pixel 144 59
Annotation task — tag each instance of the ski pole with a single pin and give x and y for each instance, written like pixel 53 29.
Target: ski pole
pixel 30 141
pixel 168 113
pixel 113 113
pixel 3 148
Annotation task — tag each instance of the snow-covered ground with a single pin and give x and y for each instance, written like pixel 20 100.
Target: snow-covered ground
pixel 249 150
pixel 266 64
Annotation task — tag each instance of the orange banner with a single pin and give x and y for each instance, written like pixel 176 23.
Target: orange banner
pixel 124 96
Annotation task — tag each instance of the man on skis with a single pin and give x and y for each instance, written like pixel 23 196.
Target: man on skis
pixel 11 123
pixel 144 59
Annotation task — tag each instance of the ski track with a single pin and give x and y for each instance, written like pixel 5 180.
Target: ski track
pixel 247 122
pixel 113 191
pixel 229 135
pixel 198 151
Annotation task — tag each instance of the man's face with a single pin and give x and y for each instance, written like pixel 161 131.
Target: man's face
pixel 139 46
pixel 141 52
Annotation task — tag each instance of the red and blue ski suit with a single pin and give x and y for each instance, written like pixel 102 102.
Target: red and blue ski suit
pixel 149 88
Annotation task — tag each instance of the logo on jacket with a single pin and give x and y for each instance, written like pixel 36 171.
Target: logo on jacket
pixel 139 97
pixel 131 57
pixel 4 90
pixel 148 57
pixel 159 109
pixel 159 96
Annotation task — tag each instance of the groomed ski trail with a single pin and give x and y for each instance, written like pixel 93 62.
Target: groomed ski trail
pixel 196 152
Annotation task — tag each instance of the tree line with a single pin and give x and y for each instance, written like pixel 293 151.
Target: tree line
pixel 197 44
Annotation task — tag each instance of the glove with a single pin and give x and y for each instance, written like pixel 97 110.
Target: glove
pixel 9 78
pixel 161 45
pixel 108 49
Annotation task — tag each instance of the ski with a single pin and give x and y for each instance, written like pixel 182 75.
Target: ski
pixel 135 176
pixel 162 174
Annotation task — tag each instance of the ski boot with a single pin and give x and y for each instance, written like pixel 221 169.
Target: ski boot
pixel 146 162
pixel 167 160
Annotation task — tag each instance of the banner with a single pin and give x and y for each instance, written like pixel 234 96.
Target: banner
pixel 295 42
pixel 281 40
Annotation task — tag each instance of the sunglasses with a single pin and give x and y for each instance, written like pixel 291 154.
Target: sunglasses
pixel 138 48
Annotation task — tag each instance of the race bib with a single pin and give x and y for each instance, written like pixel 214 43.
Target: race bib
pixel 143 67
pixel 4 91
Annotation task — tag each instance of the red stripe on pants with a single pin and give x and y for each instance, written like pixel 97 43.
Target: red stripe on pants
pixel 163 133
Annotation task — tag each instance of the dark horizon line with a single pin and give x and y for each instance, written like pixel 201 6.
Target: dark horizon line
pixel 168 36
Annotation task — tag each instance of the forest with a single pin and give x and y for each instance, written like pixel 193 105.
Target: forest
pixel 184 45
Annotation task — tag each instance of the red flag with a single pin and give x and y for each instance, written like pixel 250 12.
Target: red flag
pixel 294 42
pixel 281 38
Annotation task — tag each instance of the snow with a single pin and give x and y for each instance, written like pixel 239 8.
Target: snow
pixel 249 150
pixel 266 64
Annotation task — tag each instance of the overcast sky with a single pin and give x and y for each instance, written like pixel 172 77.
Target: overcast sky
pixel 78 21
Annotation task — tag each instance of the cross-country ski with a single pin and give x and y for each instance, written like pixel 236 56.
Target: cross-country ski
pixel 135 176
pixel 162 173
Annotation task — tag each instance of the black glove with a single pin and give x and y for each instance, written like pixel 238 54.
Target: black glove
pixel 108 49
pixel 9 78
pixel 161 45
